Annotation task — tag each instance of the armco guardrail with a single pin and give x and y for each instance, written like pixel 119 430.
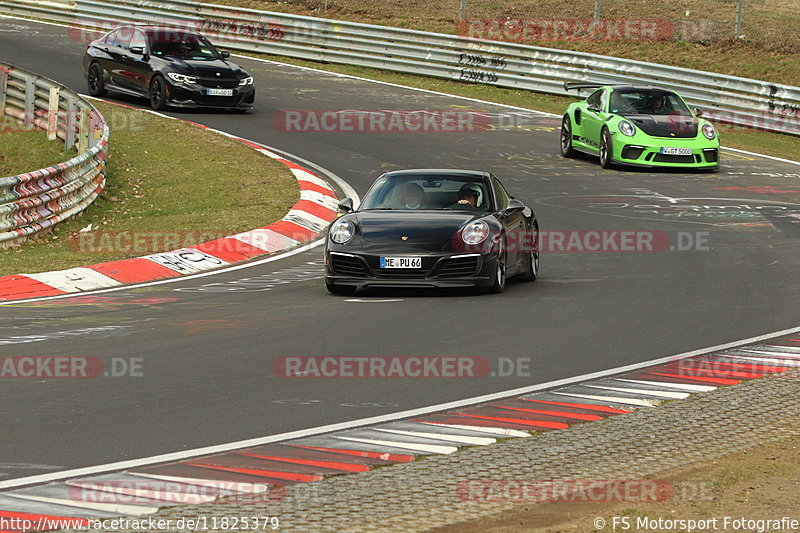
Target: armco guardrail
pixel 35 201
pixel 729 99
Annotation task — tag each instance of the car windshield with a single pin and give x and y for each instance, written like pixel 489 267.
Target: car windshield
pixel 646 102
pixel 427 192
pixel 183 45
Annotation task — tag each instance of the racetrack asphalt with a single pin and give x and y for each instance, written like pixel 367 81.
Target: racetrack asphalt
pixel 206 352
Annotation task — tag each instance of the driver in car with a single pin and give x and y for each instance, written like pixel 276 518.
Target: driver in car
pixel 467 197
pixel 414 196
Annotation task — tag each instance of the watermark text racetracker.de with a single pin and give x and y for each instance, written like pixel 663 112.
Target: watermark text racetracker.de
pixel 593 241
pixel 381 121
pixel 532 30
pixel 549 241
pixel 69 367
pixel 583 491
pixel 402 367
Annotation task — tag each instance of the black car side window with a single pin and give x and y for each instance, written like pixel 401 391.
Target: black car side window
pixel 111 38
pixel 500 193
pixel 594 99
pixel 138 40
pixel 603 100
pixel 122 37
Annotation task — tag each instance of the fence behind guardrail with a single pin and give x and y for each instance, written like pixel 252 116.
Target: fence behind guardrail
pixel 37 200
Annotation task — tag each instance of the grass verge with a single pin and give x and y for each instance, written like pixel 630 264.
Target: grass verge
pixel 25 150
pixel 757 484
pixel 165 177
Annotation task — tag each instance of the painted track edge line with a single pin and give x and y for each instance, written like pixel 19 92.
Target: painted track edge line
pixel 221 448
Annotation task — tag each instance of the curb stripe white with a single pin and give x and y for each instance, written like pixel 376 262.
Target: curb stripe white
pixel 644 392
pixel 611 399
pixel 477 441
pixel 484 429
pixel 425 448
pixel 132 510
pixel 679 386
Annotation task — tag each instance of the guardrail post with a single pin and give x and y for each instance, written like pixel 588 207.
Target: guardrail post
pixel 83 131
pixel 3 88
pixel 30 101
pixel 737 30
pixel 598 4
pixel 52 113
pixel 69 124
pixel 96 129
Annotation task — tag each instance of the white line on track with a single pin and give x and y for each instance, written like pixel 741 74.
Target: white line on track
pixel 391 417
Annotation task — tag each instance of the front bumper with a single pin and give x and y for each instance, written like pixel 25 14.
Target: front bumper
pixel 440 270
pixel 634 152
pixel 193 96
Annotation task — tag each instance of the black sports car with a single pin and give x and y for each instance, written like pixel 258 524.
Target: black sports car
pixel 432 228
pixel 169 66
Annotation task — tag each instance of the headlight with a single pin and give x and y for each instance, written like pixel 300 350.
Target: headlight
pixel 181 78
pixel 709 131
pixel 626 128
pixel 475 232
pixel 342 231
pixel 246 81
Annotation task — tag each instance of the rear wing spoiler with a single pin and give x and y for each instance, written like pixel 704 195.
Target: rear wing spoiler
pixel 569 86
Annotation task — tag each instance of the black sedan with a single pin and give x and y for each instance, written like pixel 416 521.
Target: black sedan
pixel 168 66
pixel 432 228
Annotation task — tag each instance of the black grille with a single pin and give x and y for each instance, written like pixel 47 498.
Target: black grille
pixel 711 155
pixel 400 273
pixel 632 152
pixel 221 101
pixel 219 83
pixel 459 267
pixel 345 265
pixel 667 158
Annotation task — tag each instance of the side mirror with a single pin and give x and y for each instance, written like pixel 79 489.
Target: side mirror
pixel 224 54
pixel 346 205
pixel 698 112
pixel 593 107
pixel 513 206
pixel 138 50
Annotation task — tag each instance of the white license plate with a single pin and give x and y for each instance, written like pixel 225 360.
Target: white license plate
pixel 219 92
pixel 676 151
pixel 401 262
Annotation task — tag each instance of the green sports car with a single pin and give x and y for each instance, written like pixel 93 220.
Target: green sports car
pixel 638 126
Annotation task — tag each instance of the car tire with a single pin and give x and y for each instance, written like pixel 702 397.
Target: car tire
pixel 532 272
pixel 341 290
pixel 566 138
pixel 500 279
pixel 158 93
pixel 95 81
pixel 606 149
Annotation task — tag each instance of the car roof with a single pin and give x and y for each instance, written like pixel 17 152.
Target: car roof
pixel 639 88
pixel 444 172
pixel 153 29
